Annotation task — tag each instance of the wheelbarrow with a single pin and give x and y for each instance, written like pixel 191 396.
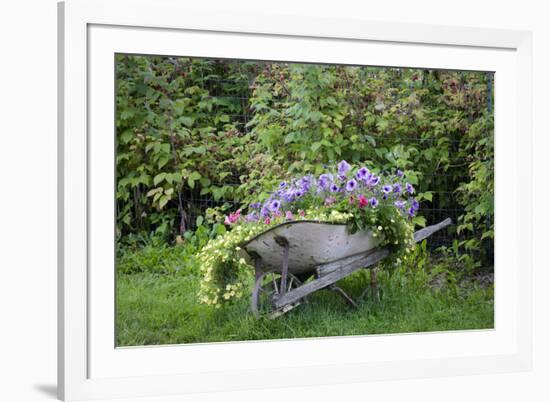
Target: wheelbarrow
pixel 287 255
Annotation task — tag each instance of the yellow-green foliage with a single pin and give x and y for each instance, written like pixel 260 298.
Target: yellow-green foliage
pixel 226 273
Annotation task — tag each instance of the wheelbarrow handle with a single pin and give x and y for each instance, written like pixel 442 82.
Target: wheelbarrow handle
pixel 428 231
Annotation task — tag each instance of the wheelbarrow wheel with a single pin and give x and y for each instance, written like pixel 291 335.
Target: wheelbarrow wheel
pixel 266 290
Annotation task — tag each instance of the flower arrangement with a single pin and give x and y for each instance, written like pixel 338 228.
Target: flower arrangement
pixel 351 195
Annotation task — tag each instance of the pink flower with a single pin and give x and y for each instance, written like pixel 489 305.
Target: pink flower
pixel 363 202
pixel 267 221
pixel 289 215
pixel 232 218
pixel 301 212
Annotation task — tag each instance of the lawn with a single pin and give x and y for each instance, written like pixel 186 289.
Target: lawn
pixel 161 308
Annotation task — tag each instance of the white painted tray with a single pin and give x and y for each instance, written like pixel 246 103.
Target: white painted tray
pixel 312 243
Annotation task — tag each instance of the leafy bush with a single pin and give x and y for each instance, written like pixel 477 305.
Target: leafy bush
pixel 152 255
pixel 158 259
pixel 190 130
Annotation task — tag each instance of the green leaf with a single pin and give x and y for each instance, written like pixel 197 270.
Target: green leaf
pixel 154 191
pixel 163 160
pixel 371 140
pixel 179 105
pixel 126 136
pixel 159 178
pixel 480 209
pixel 195 175
pixel 220 229
pixel 419 221
pixel 199 220
pixel 165 103
pixel 201 150
pixel 163 201
pixel 290 138
pixel 192 178
pixel 382 125
pixel 428 195
pixel 315 116
pixel 315 146
pixel 186 121
pixel 126 114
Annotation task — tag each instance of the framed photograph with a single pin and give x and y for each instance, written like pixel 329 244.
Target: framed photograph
pixel 264 200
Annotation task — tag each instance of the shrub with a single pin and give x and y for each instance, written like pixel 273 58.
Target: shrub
pixel 190 130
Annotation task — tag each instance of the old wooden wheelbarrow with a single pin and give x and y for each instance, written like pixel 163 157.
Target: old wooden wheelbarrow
pixel 287 255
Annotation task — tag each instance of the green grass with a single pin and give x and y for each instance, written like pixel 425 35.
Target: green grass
pixel 161 308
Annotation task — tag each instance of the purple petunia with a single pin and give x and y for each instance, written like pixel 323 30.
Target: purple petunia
pixel 345 182
pixel 304 183
pixel 367 178
pixel 362 173
pixel 343 168
pixel 373 202
pixel 399 204
pixel 374 180
pixel 274 205
pixel 325 180
pixel 351 185
pixel 288 196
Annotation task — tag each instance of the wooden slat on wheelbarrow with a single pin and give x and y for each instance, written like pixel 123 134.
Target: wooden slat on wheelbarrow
pixel 340 269
pixel 334 276
pixel 427 232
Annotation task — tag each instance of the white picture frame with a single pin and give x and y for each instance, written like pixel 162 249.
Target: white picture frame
pixel 90 366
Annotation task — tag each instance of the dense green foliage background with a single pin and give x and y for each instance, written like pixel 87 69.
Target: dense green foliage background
pixel 200 133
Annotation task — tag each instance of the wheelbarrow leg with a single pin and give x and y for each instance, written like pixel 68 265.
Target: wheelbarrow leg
pixel 281 241
pixel 372 289
pixel 341 292
pixel 257 268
